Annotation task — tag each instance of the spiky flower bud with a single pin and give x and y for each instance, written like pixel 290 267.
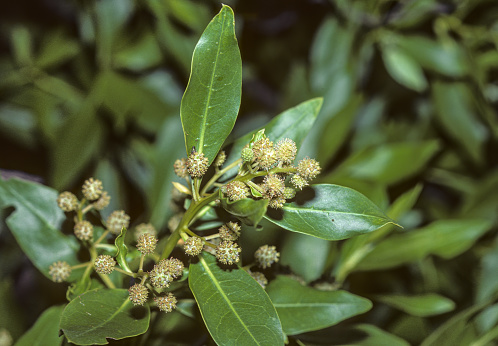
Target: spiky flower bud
pixel 277 202
pixel 260 146
pixel 117 220
pixel 298 181
pixel 67 201
pixel 273 186
pixel 193 246
pixel 146 243
pixel 227 252
pixel 104 264
pixel 138 294
pixel 83 230
pixel 103 201
pixel 145 228
pixel 197 164
pixel 246 154
pixel 308 168
pixel 59 271
pixel 260 278
pixel 173 266
pixel 92 189
pixel 160 277
pixel 230 231
pixel 289 193
pixel 267 159
pixel 166 303
pixel 266 256
pixel 286 150
pixel 220 159
pixel 237 190
pixel 180 167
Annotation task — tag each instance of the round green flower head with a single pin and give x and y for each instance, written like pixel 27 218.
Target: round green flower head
pixel 173 266
pixel 298 181
pixel 246 154
pixel 103 201
pixel 308 168
pixel 146 243
pixel 160 277
pixel 83 230
pixel 166 303
pixel 260 278
pixel 230 231
pixel 144 228
pixel 266 256
pixel 277 202
pixel 104 264
pixel 92 189
pixel 138 294
pixel 227 252
pixel 289 193
pixel 236 190
pixel 180 167
pixel 286 150
pixel 193 246
pixel 197 164
pixel 59 271
pixel 116 221
pixel 67 201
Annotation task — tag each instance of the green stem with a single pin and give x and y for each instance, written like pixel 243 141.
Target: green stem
pixel 107 281
pixel 81 265
pixel 125 272
pixel 101 237
pixel 219 174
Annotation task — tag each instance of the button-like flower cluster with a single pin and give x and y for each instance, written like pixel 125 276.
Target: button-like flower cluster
pixel 138 294
pixel 166 303
pixel 193 246
pixel 165 272
pixel 83 230
pixel 146 243
pixel 117 220
pixel 230 231
pixel 197 164
pixel 103 201
pixel 227 252
pixel 92 189
pixel 237 190
pixel 104 264
pixel 67 201
pixel 59 271
pixel 180 167
pixel 260 278
pixel 144 228
pixel 266 256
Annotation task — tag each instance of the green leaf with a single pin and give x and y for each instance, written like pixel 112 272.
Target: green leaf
pixel 235 308
pixel 212 99
pixel 103 313
pixel 429 304
pixel 303 309
pixel 122 251
pixel 377 336
pixel 45 331
pixel 445 238
pixel 403 69
pixel 35 223
pixel 249 211
pixel 330 212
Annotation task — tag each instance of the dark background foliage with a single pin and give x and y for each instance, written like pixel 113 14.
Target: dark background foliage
pixel 93 88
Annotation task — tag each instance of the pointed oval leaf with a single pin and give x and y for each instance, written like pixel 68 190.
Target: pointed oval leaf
pixel 424 305
pixel 45 331
pixel 235 308
pixel 330 212
pixel 249 211
pixel 122 251
pixel 403 69
pixel 103 313
pixel 211 101
pixel 303 309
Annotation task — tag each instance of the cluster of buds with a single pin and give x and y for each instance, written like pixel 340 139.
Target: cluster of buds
pixel 165 271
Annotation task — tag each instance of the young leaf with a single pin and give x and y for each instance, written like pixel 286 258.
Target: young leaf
pixel 303 309
pixel 103 313
pixel 249 211
pixel 429 304
pixel 212 98
pixel 235 308
pixel 45 330
pixel 122 251
pixel 35 222
pixel 332 212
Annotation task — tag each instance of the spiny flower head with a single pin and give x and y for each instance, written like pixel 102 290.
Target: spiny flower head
pixel 160 277
pixel 138 294
pixel 144 228
pixel 103 201
pixel 227 252
pixel 260 146
pixel 180 167
pixel 83 230
pixel 298 181
pixel 59 271
pixel 67 201
pixel 308 168
pixel 104 264
pixel 247 154
pixel 286 150
pixel 173 266
pixel 166 303
pixel 146 243
pixel 277 202
pixel 220 159
pixel 117 220
pixel 197 164
pixel 266 256
pixel 273 186
pixel 193 246
pixel 237 190
pixel 230 231
pixel 92 189
pixel 260 278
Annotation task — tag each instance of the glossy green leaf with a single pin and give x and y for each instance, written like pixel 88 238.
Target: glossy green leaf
pixel 487 284
pixel 403 69
pixel 103 313
pixel 294 123
pixel 45 331
pixel 57 48
pixel 303 309
pixel 445 238
pixel 330 212
pixel 429 304
pixel 211 101
pixel 249 211
pixel 84 284
pixel 377 336
pixel 122 251
pixel 34 223
pixel 235 308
